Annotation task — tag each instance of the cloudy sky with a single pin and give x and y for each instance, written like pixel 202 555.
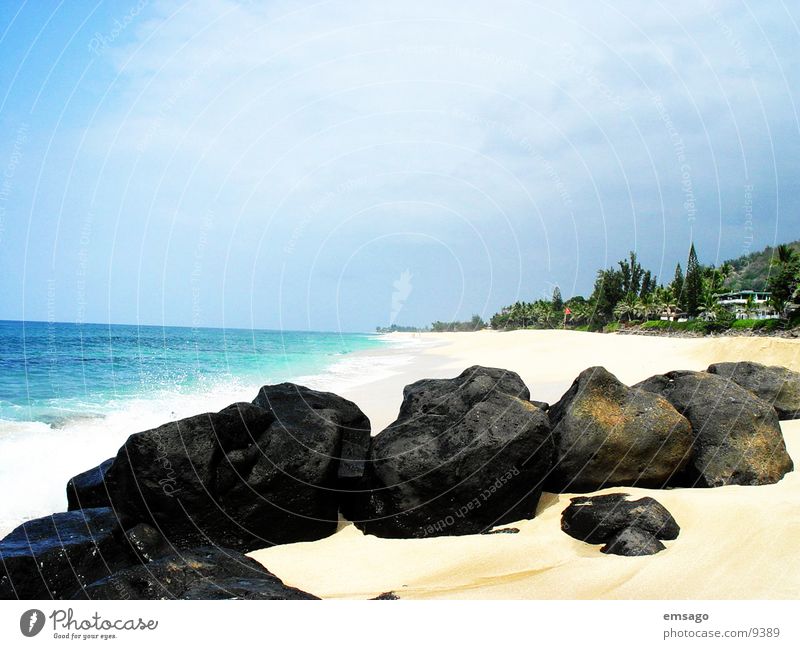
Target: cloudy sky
pixel 339 165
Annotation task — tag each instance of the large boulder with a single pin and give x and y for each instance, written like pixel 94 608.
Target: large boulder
pixel 607 434
pixel 87 554
pixel 87 490
pixel 600 519
pixel 777 385
pixel 198 573
pixel 464 455
pixel 249 476
pixel 298 405
pixel 54 556
pixel 737 437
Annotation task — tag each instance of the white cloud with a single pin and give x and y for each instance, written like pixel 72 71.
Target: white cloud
pixel 546 110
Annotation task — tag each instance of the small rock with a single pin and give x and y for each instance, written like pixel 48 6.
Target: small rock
pixel 633 542
pixel 598 519
pixel 388 595
pixel 503 530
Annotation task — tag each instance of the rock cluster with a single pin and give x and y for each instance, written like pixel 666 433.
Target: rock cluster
pixel 172 513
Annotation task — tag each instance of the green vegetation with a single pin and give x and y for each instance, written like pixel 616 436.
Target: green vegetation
pixel 474 324
pixel 399 328
pixel 629 293
pixel 754 271
pixel 783 280
pixel 759 325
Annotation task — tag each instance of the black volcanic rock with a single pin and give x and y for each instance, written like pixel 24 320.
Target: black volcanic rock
pixel 198 573
pixel 146 542
pixel 633 542
pixel 503 530
pixel 778 386
pixel 87 490
pixel 298 405
pixel 599 519
pixel 54 556
pixel 608 434
pixel 465 454
pixel 737 437
pixel 245 477
pixel 389 595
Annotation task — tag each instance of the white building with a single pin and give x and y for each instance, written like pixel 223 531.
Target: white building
pixel 737 303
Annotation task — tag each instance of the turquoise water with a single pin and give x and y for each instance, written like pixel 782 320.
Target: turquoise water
pixel 70 395
pixel 54 372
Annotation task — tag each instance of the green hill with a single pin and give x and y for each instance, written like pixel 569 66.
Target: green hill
pixel 752 271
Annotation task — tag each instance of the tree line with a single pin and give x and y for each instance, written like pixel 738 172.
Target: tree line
pixel 629 292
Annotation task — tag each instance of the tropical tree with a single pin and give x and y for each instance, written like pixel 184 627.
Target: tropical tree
pixel 580 313
pixel 544 313
pixel 646 306
pixel 709 306
pixel 693 284
pixel 677 285
pixel 784 277
pixel 627 307
pixel 632 274
pixel 607 293
pixel 558 302
pixel 750 306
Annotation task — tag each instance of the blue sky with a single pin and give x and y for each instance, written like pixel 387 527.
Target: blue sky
pixel 339 165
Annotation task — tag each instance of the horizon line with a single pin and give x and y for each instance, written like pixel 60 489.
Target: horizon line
pixel 174 326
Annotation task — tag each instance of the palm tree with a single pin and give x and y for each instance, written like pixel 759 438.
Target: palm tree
pixel 581 313
pixel 543 313
pixel 750 305
pixel 626 307
pixel 646 306
pixel 785 280
pixel 784 255
pixel 709 306
pixel 664 303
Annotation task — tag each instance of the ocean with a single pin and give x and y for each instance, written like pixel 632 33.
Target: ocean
pixel 71 394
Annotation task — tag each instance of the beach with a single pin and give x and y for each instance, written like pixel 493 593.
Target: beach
pixel 735 542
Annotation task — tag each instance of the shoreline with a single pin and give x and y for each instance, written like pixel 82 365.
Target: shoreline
pixel 548 360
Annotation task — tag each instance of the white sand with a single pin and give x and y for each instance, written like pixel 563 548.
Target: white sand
pixel 735 542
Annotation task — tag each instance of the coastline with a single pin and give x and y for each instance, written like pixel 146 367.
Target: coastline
pixel 736 542
pixel 45 455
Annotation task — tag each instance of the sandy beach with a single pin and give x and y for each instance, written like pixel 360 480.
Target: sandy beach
pixel 735 542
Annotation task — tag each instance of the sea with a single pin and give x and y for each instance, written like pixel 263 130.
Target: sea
pixel 71 394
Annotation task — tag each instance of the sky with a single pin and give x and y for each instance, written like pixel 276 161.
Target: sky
pixel 346 164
